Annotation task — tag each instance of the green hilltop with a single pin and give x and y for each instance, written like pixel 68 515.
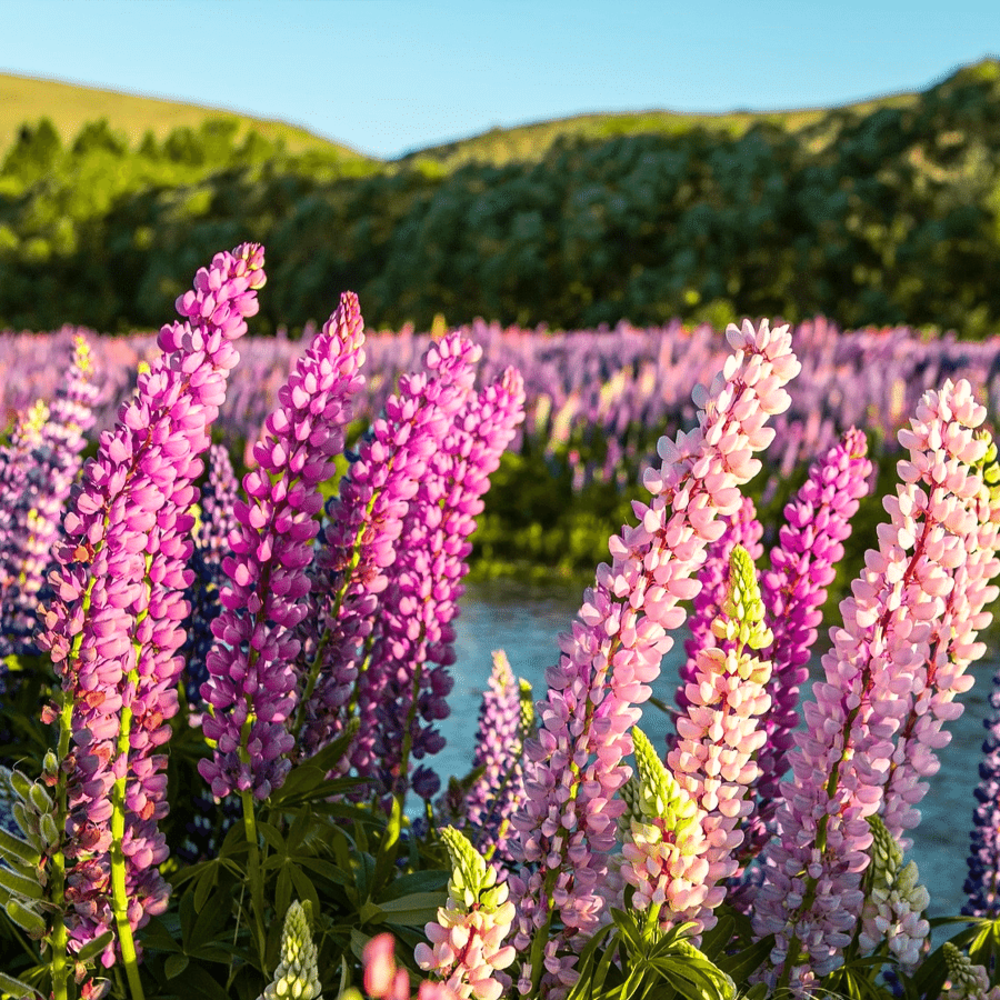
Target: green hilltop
pixel 878 213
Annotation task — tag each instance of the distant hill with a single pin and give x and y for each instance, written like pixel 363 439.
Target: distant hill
pixel 69 106
pixel 530 143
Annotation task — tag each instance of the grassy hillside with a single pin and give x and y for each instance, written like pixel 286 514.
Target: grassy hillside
pixel 23 99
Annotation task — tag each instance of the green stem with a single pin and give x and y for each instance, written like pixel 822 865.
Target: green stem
pixel 119 891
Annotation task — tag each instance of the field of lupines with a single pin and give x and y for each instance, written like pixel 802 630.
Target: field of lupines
pixel 220 699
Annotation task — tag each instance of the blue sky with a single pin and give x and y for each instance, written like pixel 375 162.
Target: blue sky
pixel 388 76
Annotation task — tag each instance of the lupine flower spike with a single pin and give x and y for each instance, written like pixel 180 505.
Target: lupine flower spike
pixel 297 975
pixel 499 741
pixel 252 682
pixel 983 882
pixel 909 633
pixel 466 950
pixel 577 765
pixel 114 625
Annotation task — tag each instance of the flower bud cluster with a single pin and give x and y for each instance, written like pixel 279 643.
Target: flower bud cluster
pixel 467 950
pixel 983 882
pixel 297 975
pixel 894 901
pixel 967 980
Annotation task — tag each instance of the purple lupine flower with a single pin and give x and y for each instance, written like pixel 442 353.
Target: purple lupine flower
pixel 252 683
pixel 983 883
pixel 415 646
pixel 803 564
pixel 113 626
pixel 360 544
pixel 576 766
pixel 928 574
pixel 493 798
pixel 211 545
pixel 742 528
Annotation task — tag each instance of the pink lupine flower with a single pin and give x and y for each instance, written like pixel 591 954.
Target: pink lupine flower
pixel 415 646
pixel 252 683
pixel 742 528
pixel 113 627
pixel 384 981
pixel 934 558
pixel 576 766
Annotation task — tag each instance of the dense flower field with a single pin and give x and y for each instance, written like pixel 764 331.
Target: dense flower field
pixel 220 698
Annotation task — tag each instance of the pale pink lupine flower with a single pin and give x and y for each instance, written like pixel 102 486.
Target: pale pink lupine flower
pixel 576 766
pixel 934 557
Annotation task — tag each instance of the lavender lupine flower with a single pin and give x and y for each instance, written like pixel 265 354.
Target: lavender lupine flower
pixel 719 735
pixel 360 544
pixel 934 557
pixel 19 484
pixel 968 980
pixel 113 626
pixel 467 952
pixel 742 528
pixel 252 683
pixel 499 741
pixel 803 564
pixel 983 882
pixel 894 901
pixel 576 766
pixel 414 647
pixel 56 466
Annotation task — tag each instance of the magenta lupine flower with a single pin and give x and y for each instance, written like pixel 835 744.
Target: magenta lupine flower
pixel 499 741
pixel 113 627
pixel 929 573
pixel 803 564
pixel 252 683
pixel 360 545
pixel 742 528
pixel 575 767
pixel 983 882
pixel 415 645
pixel 382 979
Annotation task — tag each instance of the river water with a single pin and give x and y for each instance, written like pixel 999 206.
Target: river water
pixel 525 621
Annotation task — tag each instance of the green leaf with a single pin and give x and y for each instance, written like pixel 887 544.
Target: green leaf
pixel 272 836
pixel 283 890
pixel 741 965
pixel 325 868
pixel 16 988
pixel 413 910
pixel 428 880
pixel 207 882
pixel 175 965
pixel 304 886
pixel 213 915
